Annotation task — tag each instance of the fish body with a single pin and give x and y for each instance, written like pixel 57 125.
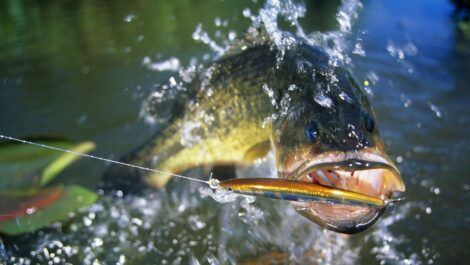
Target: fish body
pixel 293 102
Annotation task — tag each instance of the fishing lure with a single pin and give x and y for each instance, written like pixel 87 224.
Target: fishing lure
pixel 299 191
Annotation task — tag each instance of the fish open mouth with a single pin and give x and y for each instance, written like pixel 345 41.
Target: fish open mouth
pixel 364 172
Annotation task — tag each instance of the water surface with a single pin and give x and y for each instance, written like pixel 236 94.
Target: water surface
pixel 81 70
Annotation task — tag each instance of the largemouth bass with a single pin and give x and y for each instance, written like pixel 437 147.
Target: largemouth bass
pixel 293 102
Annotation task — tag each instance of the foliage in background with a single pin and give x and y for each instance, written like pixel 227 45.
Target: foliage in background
pixel 462 15
pixel 27 202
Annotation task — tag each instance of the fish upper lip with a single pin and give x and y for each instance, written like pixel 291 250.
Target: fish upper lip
pixel 354 160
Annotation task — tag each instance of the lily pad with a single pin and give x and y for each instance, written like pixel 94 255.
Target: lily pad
pixel 53 169
pixel 26 204
pixel 25 168
pixel 27 214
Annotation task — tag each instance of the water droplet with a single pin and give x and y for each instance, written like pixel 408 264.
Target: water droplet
pixel 97 242
pixel 435 109
pixel 31 210
pixel 171 64
pixel 195 223
pixel 323 100
pixel 87 221
pixel 218 21
pixel 129 18
pixel 400 159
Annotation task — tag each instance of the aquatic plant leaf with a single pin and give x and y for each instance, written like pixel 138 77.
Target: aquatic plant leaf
pixel 53 169
pixel 21 164
pixel 25 168
pixel 27 214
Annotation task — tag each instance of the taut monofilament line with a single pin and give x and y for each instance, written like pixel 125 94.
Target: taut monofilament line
pixel 100 158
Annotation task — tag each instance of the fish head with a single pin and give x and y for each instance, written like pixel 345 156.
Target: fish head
pixel 329 136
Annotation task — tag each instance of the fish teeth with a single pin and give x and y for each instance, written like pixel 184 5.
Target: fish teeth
pixel 322 175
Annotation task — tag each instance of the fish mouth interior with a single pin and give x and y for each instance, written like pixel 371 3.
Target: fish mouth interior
pixel 366 173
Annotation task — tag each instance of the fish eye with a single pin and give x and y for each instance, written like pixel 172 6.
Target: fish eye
pixel 311 132
pixel 369 122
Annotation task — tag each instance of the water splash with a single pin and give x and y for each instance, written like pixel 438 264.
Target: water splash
pixel 200 35
pixel 387 249
pixel 219 195
pixel 323 100
pixel 337 43
pixel 171 64
pixel 401 52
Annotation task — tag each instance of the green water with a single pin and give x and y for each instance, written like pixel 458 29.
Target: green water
pixel 75 69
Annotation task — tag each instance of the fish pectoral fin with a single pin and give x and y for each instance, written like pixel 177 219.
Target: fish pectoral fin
pixel 258 150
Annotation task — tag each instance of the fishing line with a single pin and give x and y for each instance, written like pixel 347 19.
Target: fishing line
pixel 211 182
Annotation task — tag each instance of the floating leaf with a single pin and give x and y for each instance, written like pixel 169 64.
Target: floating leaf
pixel 27 214
pixel 53 169
pixel 25 168
pixel 21 164
pixel 25 204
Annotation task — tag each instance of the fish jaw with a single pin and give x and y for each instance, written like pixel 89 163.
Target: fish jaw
pixel 368 172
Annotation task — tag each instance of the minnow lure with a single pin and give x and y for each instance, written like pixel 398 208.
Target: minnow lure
pixel 299 191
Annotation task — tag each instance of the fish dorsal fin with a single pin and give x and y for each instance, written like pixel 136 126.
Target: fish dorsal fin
pixel 254 36
pixel 258 150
